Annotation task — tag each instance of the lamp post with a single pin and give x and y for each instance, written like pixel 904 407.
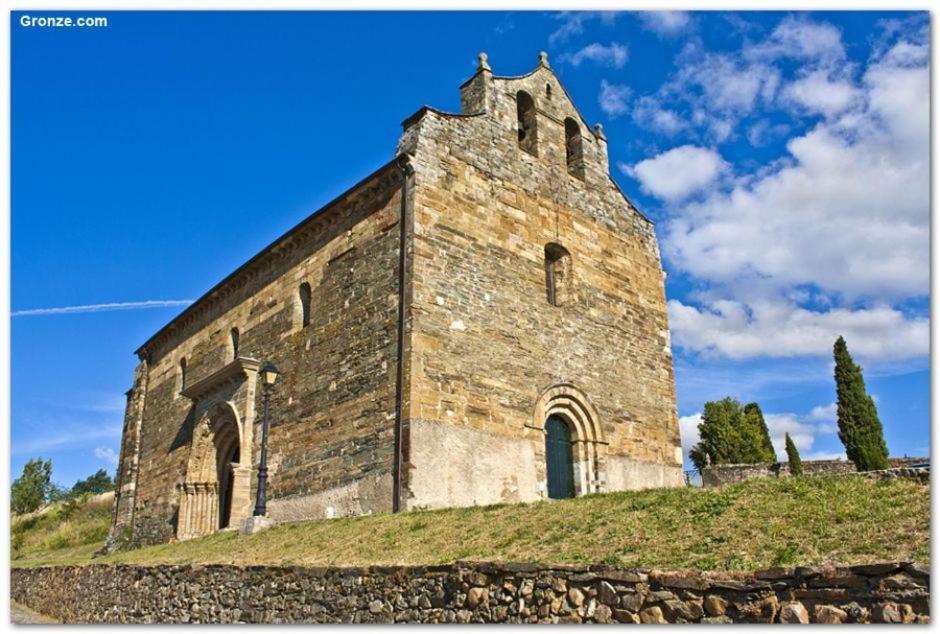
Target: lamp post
pixel 269 375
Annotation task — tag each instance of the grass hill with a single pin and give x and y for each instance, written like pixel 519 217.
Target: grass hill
pixel 72 528
pixel 758 523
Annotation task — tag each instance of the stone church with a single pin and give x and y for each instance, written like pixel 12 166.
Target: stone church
pixel 480 320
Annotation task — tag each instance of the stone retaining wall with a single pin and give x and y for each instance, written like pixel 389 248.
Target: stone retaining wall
pixel 472 593
pixel 720 474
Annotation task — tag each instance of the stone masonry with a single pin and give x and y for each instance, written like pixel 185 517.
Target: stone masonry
pixel 473 593
pixel 720 474
pixel 427 323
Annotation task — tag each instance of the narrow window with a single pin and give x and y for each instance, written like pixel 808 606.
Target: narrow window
pixel 304 305
pixel 234 343
pixel 525 112
pixel 574 151
pixel 548 91
pixel 558 277
pixel 182 374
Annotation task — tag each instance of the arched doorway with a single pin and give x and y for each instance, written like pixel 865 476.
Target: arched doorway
pixel 216 483
pixel 558 458
pixel 575 446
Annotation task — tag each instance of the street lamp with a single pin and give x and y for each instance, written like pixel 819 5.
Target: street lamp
pixel 269 375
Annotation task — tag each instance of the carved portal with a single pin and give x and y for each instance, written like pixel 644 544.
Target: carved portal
pixel 216 492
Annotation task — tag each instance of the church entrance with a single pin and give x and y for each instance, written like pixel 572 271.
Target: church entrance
pixel 215 492
pixel 226 482
pixel 558 457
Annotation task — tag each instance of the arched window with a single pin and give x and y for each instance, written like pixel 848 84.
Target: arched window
pixel 548 91
pixel 528 132
pixel 574 151
pixel 304 294
pixel 559 462
pixel 182 374
pixel 558 275
pixel 234 343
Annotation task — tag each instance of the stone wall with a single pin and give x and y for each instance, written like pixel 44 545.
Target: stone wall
pixel 717 475
pixel 486 344
pixel 332 411
pixel 477 593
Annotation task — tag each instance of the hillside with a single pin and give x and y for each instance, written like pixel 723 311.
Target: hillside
pixel 758 523
pixel 74 528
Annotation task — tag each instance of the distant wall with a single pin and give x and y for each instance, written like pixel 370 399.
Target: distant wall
pixel 477 593
pixel 717 475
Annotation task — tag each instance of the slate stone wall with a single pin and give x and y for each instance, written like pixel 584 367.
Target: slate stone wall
pixel 717 475
pixel 473 593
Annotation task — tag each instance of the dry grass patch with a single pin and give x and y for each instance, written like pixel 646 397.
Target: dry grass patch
pixel 788 521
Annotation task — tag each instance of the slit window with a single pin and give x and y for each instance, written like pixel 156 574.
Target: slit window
pixel 182 374
pixel 234 343
pixel 558 275
pixel 304 294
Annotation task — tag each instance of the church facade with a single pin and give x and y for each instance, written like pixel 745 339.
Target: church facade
pixel 480 320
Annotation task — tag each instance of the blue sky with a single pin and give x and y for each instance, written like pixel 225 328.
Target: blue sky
pixel 784 158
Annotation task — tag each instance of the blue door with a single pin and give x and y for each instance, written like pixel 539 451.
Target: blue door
pixel 558 458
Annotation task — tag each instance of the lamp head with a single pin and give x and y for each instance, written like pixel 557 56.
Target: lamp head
pixel 269 374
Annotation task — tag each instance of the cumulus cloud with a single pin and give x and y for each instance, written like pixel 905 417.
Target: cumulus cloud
pixel 688 432
pixel 572 23
pixel 613 54
pixel 613 98
pixel 771 328
pixel 824 412
pixel 107 454
pixel 819 93
pixel 830 239
pixel 665 23
pixel 649 112
pixel 678 173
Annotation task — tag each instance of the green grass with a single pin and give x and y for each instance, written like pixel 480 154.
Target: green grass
pixel 66 530
pixel 759 523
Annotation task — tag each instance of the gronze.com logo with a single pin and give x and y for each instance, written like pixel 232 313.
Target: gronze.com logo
pixel 62 22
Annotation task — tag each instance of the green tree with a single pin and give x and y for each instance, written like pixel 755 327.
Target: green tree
pixel 859 427
pixel 731 434
pixel 756 447
pixel 99 482
pixel 793 456
pixel 33 487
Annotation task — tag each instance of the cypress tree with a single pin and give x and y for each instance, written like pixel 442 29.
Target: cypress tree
pixel 793 456
pixel 759 447
pixel 859 427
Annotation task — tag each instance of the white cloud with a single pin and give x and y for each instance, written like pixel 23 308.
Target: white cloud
pixel 97 308
pixel 848 210
pixel 613 54
pixel 665 23
pixel 802 39
pixel 819 93
pixel 572 23
pixel 824 412
pixel 107 454
pixel 688 432
pixel 768 328
pixel 648 112
pixel 613 98
pixel 678 173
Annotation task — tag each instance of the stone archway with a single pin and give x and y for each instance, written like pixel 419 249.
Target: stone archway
pixel 589 447
pixel 216 491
